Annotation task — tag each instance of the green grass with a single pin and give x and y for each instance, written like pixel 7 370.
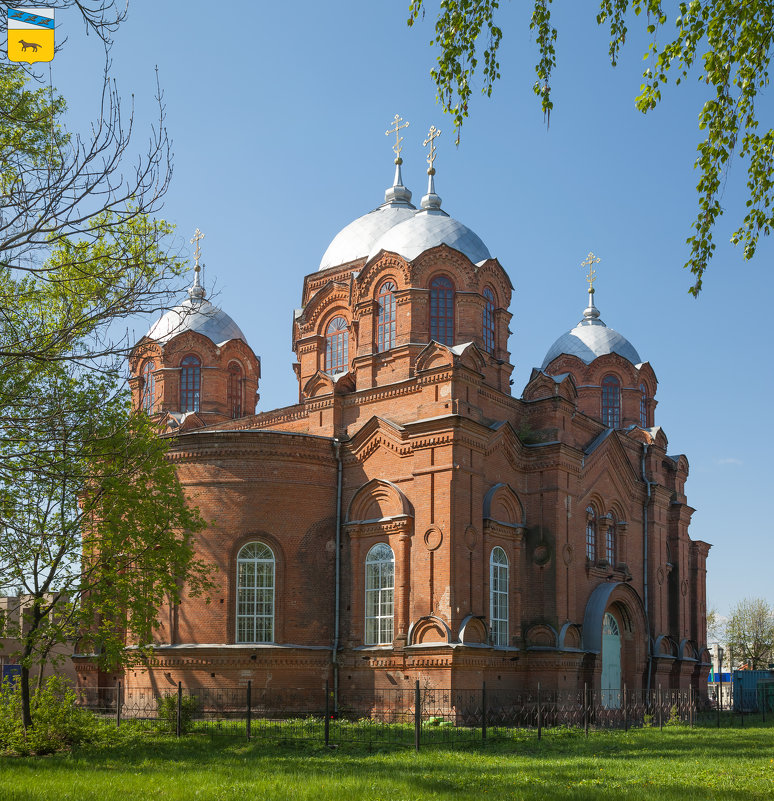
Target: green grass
pixel 674 765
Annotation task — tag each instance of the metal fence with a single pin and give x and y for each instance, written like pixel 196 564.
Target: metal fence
pixel 418 716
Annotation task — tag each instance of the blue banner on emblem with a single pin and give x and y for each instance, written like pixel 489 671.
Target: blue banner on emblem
pixel 31 19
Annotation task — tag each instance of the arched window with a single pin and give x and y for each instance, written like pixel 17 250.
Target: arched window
pixel 336 345
pixel 611 402
pixel 385 326
pixel 255 593
pixel 591 534
pixel 488 322
pixel 190 383
pixel 610 542
pixel 643 406
pixel 442 310
pixel 380 595
pixel 148 398
pixel 235 389
pixel 498 596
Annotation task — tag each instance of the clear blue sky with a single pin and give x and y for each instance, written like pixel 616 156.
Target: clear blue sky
pixel 277 114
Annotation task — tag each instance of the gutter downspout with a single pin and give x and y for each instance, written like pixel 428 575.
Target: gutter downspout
pixel 337 580
pixel 645 561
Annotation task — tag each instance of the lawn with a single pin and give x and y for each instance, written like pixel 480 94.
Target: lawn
pixel 677 763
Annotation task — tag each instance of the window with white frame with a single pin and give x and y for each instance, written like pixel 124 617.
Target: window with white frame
pixel 379 595
pixel 255 593
pixel 591 534
pixel 610 542
pixel 498 596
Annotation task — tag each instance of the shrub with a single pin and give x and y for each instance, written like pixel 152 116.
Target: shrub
pixel 167 709
pixel 57 721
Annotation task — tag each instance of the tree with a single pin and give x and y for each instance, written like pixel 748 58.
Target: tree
pixel 95 531
pixel 750 633
pixel 95 528
pixel 723 43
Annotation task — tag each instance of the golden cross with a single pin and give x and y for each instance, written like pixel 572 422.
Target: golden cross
pixel 197 237
pixel 589 262
pixel 398 138
pixel 432 134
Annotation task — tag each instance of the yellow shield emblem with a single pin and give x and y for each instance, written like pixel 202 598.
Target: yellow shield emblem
pixel 30 34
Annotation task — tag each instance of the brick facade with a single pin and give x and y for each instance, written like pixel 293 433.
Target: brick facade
pixel 434 457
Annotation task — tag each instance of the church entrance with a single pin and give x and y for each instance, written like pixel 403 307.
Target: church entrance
pixel 611 663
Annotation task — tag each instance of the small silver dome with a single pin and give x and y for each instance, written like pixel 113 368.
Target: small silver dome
pixel 196 314
pixel 591 338
pixel 428 228
pixel 356 240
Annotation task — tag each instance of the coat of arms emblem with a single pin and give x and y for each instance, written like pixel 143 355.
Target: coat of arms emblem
pixel 30 34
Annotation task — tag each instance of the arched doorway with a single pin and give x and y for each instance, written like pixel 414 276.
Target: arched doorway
pixel 611 663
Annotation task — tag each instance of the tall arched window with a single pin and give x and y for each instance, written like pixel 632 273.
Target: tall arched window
pixel 190 383
pixel 488 322
pixel 379 595
pixel 385 325
pixel 235 389
pixel 442 310
pixel 611 402
pixel 610 542
pixel 498 596
pixel 591 534
pixel 336 345
pixel 148 398
pixel 255 593
pixel 643 406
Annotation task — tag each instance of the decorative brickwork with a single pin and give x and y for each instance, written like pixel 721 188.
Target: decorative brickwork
pixel 420 446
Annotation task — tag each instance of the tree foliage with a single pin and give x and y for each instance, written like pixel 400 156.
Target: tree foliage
pixel 750 634
pixel 95 532
pixel 725 44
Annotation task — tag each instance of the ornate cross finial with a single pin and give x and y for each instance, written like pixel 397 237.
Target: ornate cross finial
pixel 589 262
pixel 197 237
pixel 398 138
pixel 432 134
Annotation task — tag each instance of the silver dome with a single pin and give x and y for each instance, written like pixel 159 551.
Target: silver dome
pixel 356 240
pixel 426 229
pixel 590 339
pixel 196 314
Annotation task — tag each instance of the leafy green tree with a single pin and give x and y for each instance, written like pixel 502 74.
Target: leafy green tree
pixel 750 634
pixel 95 531
pixel 726 44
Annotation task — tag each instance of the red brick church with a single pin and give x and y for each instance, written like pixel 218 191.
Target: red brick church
pixel 408 517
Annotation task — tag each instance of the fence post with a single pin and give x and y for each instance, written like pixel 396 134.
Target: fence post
pixel 763 701
pixel 118 705
pixel 249 707
pixel 179 721
pixel 483 710
pixel 417 715
pixel 539 718
pixel 626 708
pixel 690 704
pixel 586 708
pixel 660 701
pixel 327 713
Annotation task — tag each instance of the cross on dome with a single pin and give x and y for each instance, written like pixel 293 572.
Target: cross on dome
pixel 398 138
pixel 431 201
pixel 197 290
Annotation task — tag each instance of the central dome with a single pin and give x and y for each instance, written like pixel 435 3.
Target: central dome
pixel 426 229
pixel 398 227
pixel 356 240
